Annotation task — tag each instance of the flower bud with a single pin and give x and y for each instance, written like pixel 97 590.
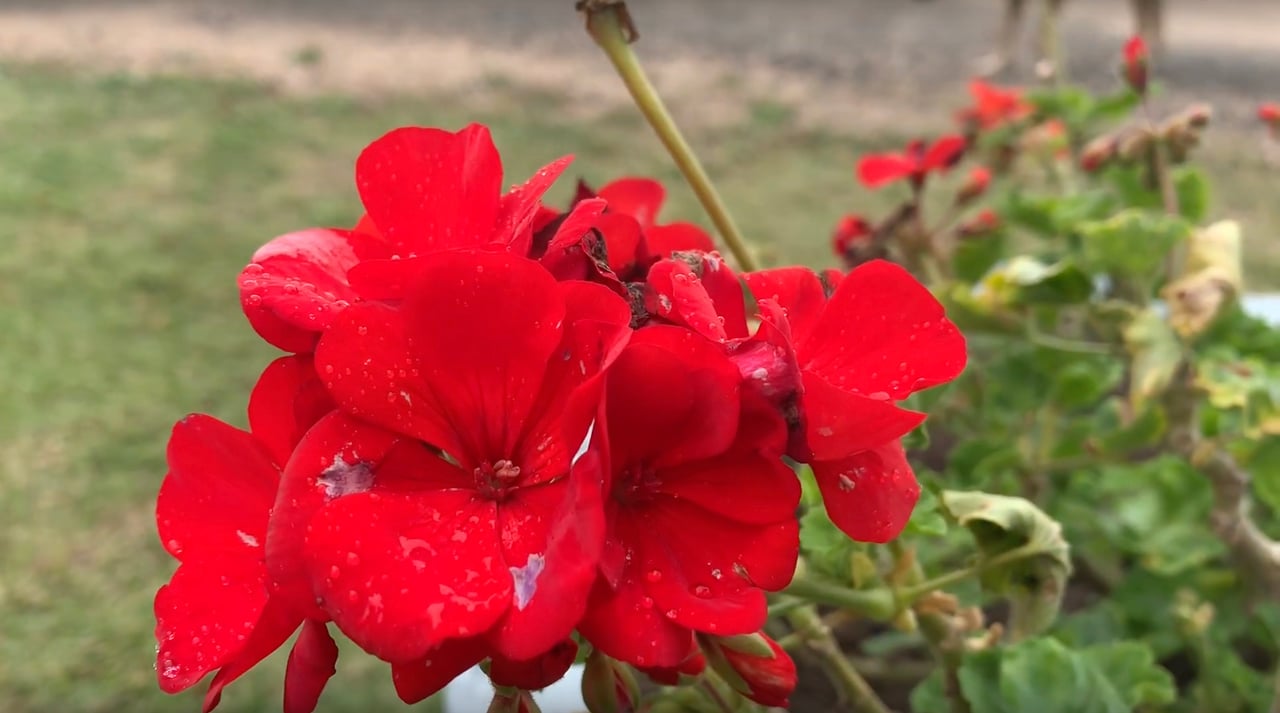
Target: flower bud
pixel 754 665
pixel 1098 153
pixel 513 701
pixel 979 226
pixel 682 675
pixel 973 188
pixel 1136 61
pixel 608 686
pixel 1134 144
pixel 850 230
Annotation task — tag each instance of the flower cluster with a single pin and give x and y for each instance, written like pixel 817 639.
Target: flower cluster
pixel 502 430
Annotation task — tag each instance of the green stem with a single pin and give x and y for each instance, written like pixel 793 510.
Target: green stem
pixel 916 590
pixel 1053 341
pixel 605 23
pixel 850 684
pixel 878 604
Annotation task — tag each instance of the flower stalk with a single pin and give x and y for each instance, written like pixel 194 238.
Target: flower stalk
pixel 610 26
pixel 849 683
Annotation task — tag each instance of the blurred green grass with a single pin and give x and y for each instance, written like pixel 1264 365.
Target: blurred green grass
pixel 128 206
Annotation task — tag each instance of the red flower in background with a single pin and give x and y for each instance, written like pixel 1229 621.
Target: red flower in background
pixel 424 190
pixel 851 229
pixel 1136 61
pixel 491 361
pixel 629 224
pixel 974 186
pixel 218 612
pixel 914 164
pixel 993 107
pixel 681 557
pixel 1269 114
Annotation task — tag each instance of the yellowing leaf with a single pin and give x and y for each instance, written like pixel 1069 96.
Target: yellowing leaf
pixel 1210 280
pixel 1156 352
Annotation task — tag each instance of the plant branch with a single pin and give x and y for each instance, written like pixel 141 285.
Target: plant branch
pixel 850 684
pixel 1256 556
pixel 610 26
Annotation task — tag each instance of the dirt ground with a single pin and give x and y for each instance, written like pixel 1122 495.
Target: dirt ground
pixel 866 64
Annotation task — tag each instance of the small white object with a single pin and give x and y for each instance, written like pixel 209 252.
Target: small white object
pixel 471 693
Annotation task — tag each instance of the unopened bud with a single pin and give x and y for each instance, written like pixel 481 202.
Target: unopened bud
pixel 1098 153
pixel 513 701
pixel 1134 144
pixel 608 686
pixel 973 188
pixel 684 674
pixel 979 226
pixel 768 679
pixel 1136 61
pixel 851 230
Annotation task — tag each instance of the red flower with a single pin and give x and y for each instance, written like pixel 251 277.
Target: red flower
pixel 424 190
pixel 630 228
pixel 217 613
pixel 753 665
pixel 850 230
pixel 681 557
pixel 976 185
pixel 914 164
pixel 685 672
pixel 1270 115
pixel 1136 60
pixel 993 107
pixel 483 529
pixel 880 337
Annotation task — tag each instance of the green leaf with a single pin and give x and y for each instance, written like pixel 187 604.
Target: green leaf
pixel 1156 353
pixel 975 256
pixel 1083 382
pixel 1033 583
pixel 1264 465
pixel 1025 280
pixel 826 549
pixel 1131 243
pixel 1144 431
pixel 927 519
pixel 1045 676
pixel 1193 193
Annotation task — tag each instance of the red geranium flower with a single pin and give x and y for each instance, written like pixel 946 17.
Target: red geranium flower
pixel 680 557
pixel 631 230
pixel 993 107
pixel 482 531
pixel 1136 59
pixel 217 612
pixel 1270 115
pixel 424 190
pixel 915 163
pixel 880 337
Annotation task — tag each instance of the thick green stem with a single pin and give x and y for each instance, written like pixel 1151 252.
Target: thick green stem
pixel 607 23
pixel 850 684
pixel 878 604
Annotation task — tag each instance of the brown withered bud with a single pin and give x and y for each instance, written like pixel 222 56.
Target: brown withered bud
pixel 1134 144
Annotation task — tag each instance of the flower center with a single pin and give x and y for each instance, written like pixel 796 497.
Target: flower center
pixel 494 480
pixel 636 484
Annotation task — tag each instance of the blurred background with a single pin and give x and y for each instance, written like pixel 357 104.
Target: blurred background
pixel 146 148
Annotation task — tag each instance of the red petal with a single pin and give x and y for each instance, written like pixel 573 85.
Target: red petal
pixel 287 400
pixel 311 665
pixel 662 240
pixel 877 170
pixel 339 456
pixel 428 189
pixel 676 294
pixel 640 198
pixel 297 284
pixel 552 539
pixel 797 290
pixel 672 398
pixel 622 239
pixel 625 625
pixel 417 680
pixel 706 572
pixel 944 153
pixel 839 423
pixel 727 294
pixel 459 364
pixel 767 360
pixel 519 207
pixel 203 616
pixel 883 333
pixel 537 673
pixel 870 495
pixel 217 497
pixel 276 624
pixel 764 489
pixel 402 573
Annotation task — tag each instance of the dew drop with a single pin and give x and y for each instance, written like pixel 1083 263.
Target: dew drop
pixel 653 576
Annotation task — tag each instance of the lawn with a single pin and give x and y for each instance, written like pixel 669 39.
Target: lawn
pixel 127 207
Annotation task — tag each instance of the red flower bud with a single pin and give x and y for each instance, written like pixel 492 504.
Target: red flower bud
pixel 1270 115
pixel 1098 153
pixel 513 702
pixel 608 686
pixel 1136 60
pixel 975 186
pixel 754 665
pixel 980 225
pixel 851 229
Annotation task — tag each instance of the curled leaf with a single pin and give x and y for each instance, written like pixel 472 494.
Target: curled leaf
pixel 1035 580
pixel 1210 280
